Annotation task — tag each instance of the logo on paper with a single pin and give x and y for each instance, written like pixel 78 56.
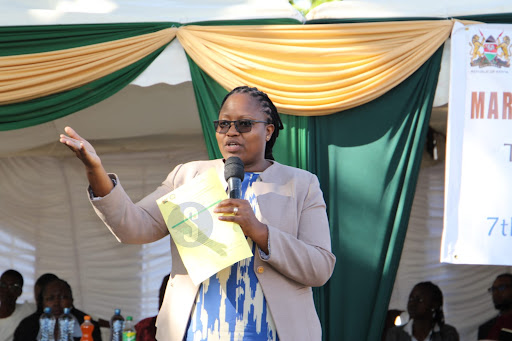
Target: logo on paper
pixel 490 51
pixel 196 227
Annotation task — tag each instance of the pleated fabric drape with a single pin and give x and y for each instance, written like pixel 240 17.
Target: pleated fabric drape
pixel 307 70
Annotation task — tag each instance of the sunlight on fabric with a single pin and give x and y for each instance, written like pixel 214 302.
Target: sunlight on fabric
pixel 19 255
pixel 156 263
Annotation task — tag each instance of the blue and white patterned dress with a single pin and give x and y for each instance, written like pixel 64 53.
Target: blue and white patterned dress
pixel 230 305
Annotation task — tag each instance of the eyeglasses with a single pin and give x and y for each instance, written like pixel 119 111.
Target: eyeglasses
pixel 13 286
pixel 242 126
pixel 499 288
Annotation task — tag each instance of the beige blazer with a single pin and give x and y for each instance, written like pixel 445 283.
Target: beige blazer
pixel 289 201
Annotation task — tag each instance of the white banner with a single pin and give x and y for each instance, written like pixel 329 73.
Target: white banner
pixel 478 188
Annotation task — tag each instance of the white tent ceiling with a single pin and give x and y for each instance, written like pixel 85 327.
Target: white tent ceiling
pixel 407 8
pixel 58 12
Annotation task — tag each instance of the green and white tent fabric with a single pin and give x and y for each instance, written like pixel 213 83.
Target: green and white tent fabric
pixel 150 116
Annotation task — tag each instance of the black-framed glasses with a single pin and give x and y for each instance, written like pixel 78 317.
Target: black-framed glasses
pixel 242 126
pixel 12 286
pixel 499 288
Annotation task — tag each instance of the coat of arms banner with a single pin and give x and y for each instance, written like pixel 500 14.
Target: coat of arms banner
pixel 478 188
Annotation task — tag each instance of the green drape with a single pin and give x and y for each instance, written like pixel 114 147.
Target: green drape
pixel 49 108
pixel 32 39
pixel 367 160
pixel 16 40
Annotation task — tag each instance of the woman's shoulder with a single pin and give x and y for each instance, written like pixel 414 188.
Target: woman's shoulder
pixel 191 169
pixel 201 164
pixel 447 329
pixel 288 171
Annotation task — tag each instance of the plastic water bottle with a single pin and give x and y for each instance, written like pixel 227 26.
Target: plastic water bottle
pixel 116 326
pixel 87 327
pixel 47 325
pixel 129 330
pixel 66 324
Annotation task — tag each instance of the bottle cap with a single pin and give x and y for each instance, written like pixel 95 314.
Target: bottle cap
pixel 66 310
pixel 129 318
pixel 117 312
pixel 47 310
pixel 87 318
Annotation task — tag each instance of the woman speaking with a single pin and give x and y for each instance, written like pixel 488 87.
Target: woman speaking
pixel 281 212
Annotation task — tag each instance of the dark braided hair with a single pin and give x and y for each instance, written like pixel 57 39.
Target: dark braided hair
pixel 268 108
pixel 437 297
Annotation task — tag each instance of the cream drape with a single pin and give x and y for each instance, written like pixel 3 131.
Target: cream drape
pixel 307 70
pixel 312 70
pixel 29 76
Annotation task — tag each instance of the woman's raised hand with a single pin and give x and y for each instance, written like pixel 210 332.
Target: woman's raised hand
pixel 100 182
pixel 82 149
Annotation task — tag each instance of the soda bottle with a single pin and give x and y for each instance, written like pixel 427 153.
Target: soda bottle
pixel 47 325
pixel 87 327
pixel 116 326
pixel 66 324
pixel 129 330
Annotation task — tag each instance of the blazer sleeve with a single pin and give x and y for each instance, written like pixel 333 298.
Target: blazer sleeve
pixel 132 223
pixel 306 256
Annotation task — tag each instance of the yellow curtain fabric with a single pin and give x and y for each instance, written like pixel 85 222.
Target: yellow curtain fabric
pixel 307 70
pixel 25 77
pixel 312 70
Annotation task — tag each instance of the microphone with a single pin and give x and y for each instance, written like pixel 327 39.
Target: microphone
pixel 234 174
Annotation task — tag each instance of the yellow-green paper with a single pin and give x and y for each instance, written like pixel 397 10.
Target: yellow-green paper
pixel 206 244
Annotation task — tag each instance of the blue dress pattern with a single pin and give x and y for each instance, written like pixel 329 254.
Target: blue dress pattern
pixel 230 305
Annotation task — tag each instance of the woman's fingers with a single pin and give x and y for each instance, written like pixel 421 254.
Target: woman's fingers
pixel 82 149
pixel 231 206
pixel 72 133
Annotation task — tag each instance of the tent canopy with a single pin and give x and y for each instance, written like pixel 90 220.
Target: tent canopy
pixel 160 101
pixel 157 110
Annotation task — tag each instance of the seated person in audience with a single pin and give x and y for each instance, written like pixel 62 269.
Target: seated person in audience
pixel 38 287
pixel 57 295
pixel 425 308
pixel 146 328
pixel 501 292
pixel 11 313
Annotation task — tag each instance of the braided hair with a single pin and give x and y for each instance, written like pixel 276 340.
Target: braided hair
pixel 437 297
pixel 268 108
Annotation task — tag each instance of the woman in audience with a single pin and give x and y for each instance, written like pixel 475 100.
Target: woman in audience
pixel 425 308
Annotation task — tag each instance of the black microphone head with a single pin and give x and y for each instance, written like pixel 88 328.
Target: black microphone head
pixel 234 168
